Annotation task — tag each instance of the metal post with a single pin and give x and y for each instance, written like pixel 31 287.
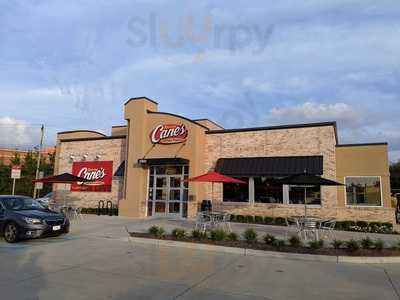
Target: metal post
pixel 13 187
pixel 38 160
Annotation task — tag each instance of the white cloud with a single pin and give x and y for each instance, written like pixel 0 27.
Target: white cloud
pixel 315 112
pixel 17 133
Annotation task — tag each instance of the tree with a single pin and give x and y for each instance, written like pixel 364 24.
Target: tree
pixel 395 175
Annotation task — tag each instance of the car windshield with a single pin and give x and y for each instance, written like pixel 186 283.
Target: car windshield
pixel 21 203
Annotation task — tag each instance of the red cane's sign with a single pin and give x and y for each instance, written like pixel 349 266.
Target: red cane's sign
pixel 100 172
pixel 169 134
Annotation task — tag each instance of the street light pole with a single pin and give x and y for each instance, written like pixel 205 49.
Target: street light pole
pixel 38 159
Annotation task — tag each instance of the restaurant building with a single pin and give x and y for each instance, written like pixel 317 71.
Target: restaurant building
pixel 142 167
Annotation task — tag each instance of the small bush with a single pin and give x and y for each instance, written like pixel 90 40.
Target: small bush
pixel 352 245
pixel 279 244
pixel 161 232
pixel 233 236
pixel 153 230
pixel 268 220
pixel 379 244
pixel 280 221
pixel 366 243
pixel 217 235
pixel 294 241
pixel 388 225
pixel 249 219
pixel 375 224
pixel 178 233
pixel 240 219
pixel 336 244
pixel 269 239
pixel 315 245
pixel 250 235
pixel 362 224
pixel 346 225
pixel 233 218
pixel 199 235
pixel 258 219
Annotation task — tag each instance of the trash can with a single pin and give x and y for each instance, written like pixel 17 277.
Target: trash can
pixel 206 205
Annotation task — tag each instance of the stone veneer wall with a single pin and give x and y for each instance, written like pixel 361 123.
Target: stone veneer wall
pixel 286 142
pixel 109 149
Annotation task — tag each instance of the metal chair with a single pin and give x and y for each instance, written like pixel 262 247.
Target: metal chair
pixel 203 222
pixel 295 224
pixel 310 228
pixel 327 228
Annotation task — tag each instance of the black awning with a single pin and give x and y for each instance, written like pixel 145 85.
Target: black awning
pixel 121 170
pixel 270 166
pixel 308 179
pixel 163 161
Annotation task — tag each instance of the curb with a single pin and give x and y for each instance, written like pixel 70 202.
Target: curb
pixel 271 254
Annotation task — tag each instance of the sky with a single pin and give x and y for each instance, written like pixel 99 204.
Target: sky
pixel 73 64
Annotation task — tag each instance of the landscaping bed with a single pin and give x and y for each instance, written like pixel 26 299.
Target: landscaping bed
pixel 249 240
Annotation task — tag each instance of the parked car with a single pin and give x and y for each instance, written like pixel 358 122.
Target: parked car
pixel 45 200
pixel 23 217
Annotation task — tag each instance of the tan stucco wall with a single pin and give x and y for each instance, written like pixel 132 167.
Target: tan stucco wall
pixel 119 131
pixel 110 150
pixel 368 160
pixel 140 124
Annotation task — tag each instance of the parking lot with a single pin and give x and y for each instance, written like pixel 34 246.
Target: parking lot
pixel 97 261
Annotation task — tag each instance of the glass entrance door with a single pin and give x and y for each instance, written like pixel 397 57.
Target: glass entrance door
pixel 168 193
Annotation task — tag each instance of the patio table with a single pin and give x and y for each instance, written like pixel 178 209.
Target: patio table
pixel 308 225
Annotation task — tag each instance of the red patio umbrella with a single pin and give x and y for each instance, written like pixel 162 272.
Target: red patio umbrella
pixel 65 178
pixel 215 177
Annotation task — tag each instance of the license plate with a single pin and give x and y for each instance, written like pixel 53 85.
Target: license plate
pixel 55 228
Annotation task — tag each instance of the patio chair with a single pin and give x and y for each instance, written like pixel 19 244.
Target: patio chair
pixel 223 221
pixel 294 224
pixel 203 222
pixel 327 228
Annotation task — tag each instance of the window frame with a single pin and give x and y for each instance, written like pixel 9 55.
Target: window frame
pixel 363 206
pixel 305 204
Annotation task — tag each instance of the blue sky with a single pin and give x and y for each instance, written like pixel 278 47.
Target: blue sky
pixel 72 64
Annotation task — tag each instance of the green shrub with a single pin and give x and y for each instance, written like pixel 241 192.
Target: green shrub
pixel 249 219
pixel 375 224
pixel 346 225
pixel 352 245
pixel 388 225
pixel 178 233
pixel 279 244
pixel 250 235
pixel 268 220
pixel 240 219
pixel 153 230
pixel 294 241
pixel 233 218
pixel 258 219
pixel 199 235
pixel 379 244
pixel 280 221
pixel 217 235
pixel 339 225
pixel 315 245
pixel 362 224
pixel 161 232
pixel 233 236
pixel 269 239
pixel 336 244
pixel 366 243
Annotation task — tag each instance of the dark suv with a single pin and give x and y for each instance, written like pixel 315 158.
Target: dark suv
pixel 23 217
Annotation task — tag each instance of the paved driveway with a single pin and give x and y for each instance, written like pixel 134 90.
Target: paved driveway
pixel 97 261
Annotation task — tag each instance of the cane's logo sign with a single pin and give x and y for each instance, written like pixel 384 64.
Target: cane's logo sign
pixel 169 134
pixel 99 172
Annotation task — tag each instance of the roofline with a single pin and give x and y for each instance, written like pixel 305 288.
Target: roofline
pixel 93 139
pixel 257 157
pixel 75 131
pixel 178 116
pixel 140 98
pixel 205 119
pixel 291 126
pixel 362 144
pixel 119 126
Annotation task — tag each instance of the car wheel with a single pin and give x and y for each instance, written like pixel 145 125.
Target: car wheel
pixel 11 232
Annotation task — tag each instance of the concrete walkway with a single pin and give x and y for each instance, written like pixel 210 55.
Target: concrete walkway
pixel 97 261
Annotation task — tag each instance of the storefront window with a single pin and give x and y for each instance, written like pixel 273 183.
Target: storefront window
pixel 310 195
pixel 363 191
pixel 265 191
pixel 233 192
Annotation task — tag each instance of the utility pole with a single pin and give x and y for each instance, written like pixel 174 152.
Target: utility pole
pixel 38 159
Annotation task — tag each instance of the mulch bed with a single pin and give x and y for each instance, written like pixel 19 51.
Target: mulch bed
pixel 265 247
